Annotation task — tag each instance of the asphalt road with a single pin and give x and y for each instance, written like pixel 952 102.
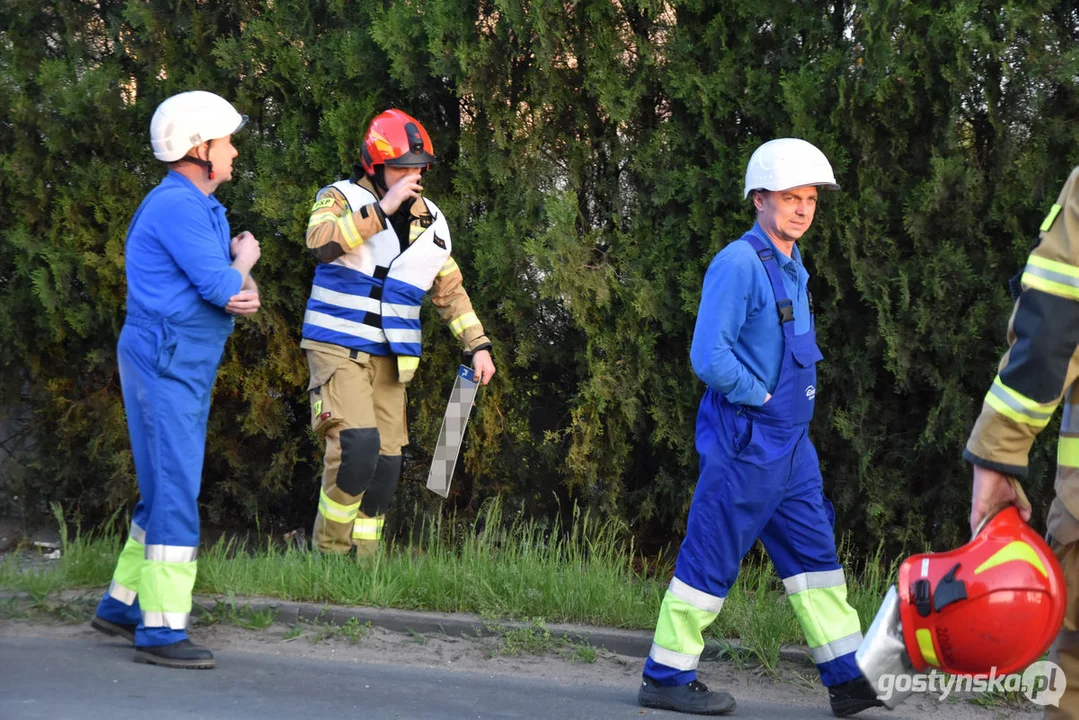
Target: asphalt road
pixel 55 679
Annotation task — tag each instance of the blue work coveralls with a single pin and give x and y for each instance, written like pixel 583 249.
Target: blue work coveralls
pixel 179 279
pixel 760 478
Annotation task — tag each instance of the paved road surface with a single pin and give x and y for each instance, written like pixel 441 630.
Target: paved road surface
pixel 54 679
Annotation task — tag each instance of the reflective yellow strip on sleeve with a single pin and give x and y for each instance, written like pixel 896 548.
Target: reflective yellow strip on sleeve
pixel 407 362
pixel 320 217
pixel 448 268
pixel 335 511
pixel 1050 218
pixel 349 230
pixel 1018 407
pixel 1052 276
pixel 464 322
pixel 323 203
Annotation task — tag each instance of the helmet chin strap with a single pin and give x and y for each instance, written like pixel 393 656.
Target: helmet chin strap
pixel 379 179
pixel 194 160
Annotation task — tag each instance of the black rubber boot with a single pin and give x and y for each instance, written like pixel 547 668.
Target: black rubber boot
pixel 693 698
pixel 127 632
pixel 852 697
pixel 183 654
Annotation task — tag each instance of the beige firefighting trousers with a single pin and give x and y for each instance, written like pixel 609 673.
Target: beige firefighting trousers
pixel 1064 539
pixel 358 408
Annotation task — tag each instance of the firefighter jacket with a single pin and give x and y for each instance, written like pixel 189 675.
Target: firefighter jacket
pixel 1041 366
pixel 370 283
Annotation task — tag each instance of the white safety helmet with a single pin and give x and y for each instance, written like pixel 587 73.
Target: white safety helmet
pixel 788 163
pixel 191 118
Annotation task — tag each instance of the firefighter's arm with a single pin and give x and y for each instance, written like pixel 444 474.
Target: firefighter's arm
pixel 334 230
pixel 1043 336
pixel 455 308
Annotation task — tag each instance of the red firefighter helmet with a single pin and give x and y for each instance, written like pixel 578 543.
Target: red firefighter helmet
pixel 997 602
pixel 397 139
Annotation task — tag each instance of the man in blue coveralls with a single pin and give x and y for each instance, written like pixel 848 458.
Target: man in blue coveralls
pixel 186 280
pixel 754 345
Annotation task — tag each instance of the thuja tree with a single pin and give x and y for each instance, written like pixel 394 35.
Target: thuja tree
pixel 592 163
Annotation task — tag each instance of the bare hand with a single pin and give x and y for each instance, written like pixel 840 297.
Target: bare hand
pixel 404 189
pixel 483 366
pixel 991 490
pixel 246 248
pixel 767 397
pixel 245 302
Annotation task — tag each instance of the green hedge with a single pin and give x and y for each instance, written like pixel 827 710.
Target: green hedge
pixel 593 155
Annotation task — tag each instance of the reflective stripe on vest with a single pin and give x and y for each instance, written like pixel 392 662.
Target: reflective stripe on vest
pixel 353 306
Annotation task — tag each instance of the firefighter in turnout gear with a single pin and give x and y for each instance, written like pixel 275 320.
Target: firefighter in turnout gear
pixel 1039 370
pixel 381 247
pixel 186 280
pixel 754 346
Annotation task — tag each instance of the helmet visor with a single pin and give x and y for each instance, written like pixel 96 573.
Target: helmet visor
pixel 414 158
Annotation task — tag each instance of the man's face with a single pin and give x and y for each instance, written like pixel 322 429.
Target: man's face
pixel 221 154
pixel 786 214
pixel 393 175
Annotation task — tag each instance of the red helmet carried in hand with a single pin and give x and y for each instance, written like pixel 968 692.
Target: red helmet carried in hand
pixel 396 139
pixel 997 602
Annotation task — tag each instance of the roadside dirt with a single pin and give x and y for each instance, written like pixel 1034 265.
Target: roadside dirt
pixel 562 663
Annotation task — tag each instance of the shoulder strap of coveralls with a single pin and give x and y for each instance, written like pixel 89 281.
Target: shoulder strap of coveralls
pixel 784 305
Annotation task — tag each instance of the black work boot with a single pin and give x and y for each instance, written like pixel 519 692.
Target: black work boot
pixel 123 630
pixel 183 654
pixel 693 698
pixel 852 697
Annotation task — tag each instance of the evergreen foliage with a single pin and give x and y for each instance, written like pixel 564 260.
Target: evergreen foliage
pixel 592 161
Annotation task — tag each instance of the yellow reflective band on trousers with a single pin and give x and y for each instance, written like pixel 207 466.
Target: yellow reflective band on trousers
pixel 830 624
pixel 1018 407
pixel 368 528
pixel 335 511
pixel 166 585
pixel 679 639
pixel 1068 452
pixel 125 581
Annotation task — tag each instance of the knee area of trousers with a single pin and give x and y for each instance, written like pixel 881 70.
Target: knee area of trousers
pixel 379 495
pixel 359 456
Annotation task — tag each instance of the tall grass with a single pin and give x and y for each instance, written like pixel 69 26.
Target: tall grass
pixel 585 572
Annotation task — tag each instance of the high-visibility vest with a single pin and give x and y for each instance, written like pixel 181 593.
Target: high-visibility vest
pixel 369 298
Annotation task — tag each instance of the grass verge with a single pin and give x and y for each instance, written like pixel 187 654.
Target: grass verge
pixel 512 568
